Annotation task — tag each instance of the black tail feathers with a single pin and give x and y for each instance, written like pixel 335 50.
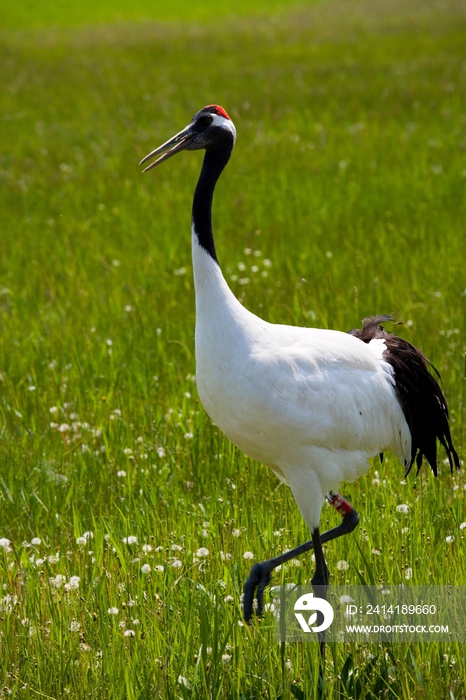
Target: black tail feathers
pixel 420 396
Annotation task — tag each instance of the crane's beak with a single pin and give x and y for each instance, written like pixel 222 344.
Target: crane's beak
pixel 168 149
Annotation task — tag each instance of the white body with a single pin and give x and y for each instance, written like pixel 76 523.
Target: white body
pixel 314 405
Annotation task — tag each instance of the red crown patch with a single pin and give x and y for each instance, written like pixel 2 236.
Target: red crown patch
pixel 219 110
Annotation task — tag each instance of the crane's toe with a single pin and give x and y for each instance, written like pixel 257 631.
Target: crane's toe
pixel 258 578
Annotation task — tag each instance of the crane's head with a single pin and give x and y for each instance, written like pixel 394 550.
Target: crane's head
pixel 210 128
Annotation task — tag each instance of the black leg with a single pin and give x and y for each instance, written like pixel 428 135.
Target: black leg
pixel 260 574
pixel 319 585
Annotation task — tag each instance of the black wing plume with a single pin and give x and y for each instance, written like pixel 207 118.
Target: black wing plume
pixel 420 396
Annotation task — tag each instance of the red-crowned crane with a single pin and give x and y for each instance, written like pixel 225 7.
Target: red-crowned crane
pixel 314 405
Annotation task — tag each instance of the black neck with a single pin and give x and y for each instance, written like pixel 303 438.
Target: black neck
pixel 212 166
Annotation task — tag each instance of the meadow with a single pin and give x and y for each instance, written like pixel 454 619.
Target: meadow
pixel 128 523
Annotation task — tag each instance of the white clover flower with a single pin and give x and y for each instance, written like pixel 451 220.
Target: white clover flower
pixel 226 658
pixel 402 508
pixel 5 543
pixel 248 555
pixel 188 436
pixel 342 565
pixel 346 599
pixel 202 552
pixel 228 599
pixel 177 564
pixel 81 540
pixel 160 451
pixel 36 541
pixel 64 428
pixel 53 559
pixel 75 626
pixel 145 568
pixel 159 568
pixel 146 548
pixel 449 539
pixel 184 681
pixel 132 539
pixel 235 532
pixel 129 633
pixel 176 548
pixel 408 573
pixel 73 583
pixel 57 581
pixel 89 535
pixel 121 473
pixel 462 526
pixel 113 611
pixel 8 602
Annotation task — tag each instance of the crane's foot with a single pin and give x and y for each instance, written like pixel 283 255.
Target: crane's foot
pixel 258 578
pixel 260 574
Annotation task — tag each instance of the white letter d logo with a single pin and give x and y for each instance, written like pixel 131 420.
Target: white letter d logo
pixel 308 603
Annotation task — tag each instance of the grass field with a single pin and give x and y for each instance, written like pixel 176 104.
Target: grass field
pixel 124 513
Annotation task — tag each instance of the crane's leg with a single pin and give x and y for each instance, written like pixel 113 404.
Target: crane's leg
pixel 319 585
pixel 260 574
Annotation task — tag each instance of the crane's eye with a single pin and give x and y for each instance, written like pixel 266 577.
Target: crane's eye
pixel 208 120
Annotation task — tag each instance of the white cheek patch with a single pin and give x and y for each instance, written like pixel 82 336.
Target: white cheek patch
pixel 218 120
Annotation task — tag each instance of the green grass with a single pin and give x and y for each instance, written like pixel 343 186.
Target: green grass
pixel 33 14
pixel 349 176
